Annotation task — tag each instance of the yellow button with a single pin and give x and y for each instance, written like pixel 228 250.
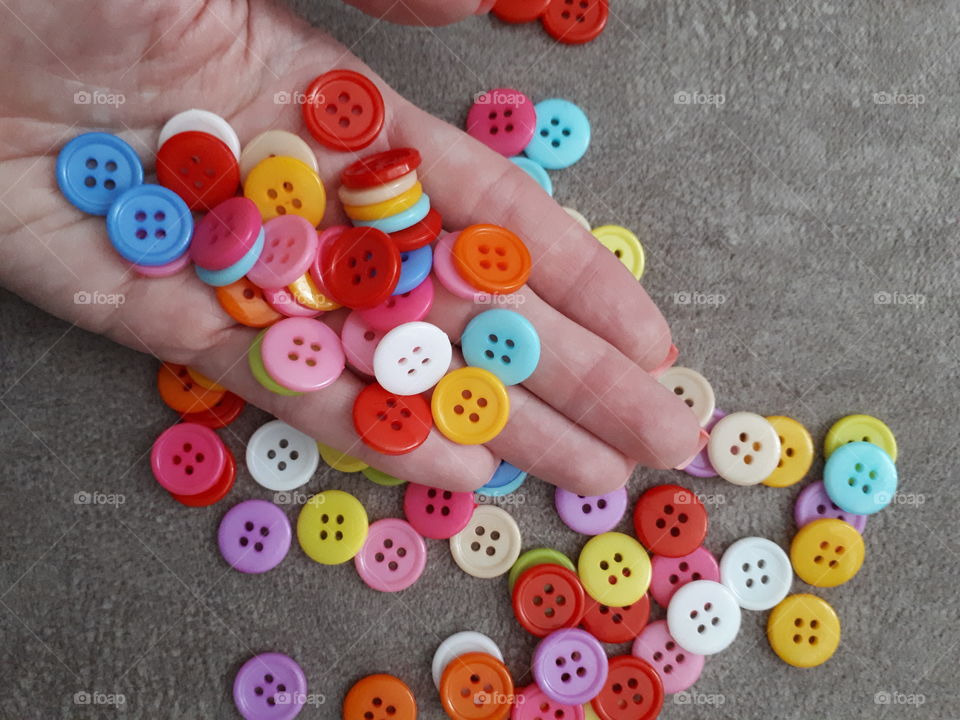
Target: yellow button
pixel 203 381
pixel 286 186
pixel 386 208
pixel 614 569
pixel 624 244
pixel 589 713
pixel 860 428
pixel 306 292
pixel 332 527
pixel 470 406
pixel 341 461
pixel 796 452
pixel 826 553
pixel 803 630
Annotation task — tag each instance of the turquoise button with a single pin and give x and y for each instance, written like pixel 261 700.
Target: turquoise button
pixel 562 135
pixel 503 342
pixel 506 479
pixel 860 478
pixel 402 220
pixel 232 273
pixel 94 168
pixel 150 225
pixel 414 268
pixel 535 171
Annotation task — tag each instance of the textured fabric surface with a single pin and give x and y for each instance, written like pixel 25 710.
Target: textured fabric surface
pixel 800 237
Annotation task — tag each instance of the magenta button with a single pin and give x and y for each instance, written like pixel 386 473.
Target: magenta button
pixel 669 574
pixel 436 513
pixel 225 234
pixel 503 120
pixel 399 309
pixel 188 459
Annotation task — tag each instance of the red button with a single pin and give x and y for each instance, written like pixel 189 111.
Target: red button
pixel 380 168
pixel 344 110
pixel 223 412
pixel 575 21
pixel 361 267
pixel 218 492
pixel 670 520
pixel 418 234
pixel 633 691
pixel 616 624
pixel 519 11
pixel 198 167
pixel 391 424
pixel 548 597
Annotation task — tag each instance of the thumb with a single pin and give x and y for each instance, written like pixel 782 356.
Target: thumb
pixel 422 12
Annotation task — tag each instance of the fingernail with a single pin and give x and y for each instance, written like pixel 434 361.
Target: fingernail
pixel 485 7
pixel 704 437
pixel 672 354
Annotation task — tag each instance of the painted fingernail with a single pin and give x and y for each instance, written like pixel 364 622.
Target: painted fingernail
pixel 672 354
pixel 704 436
pixel 485 7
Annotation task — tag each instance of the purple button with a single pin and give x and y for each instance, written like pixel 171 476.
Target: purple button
pixel 669 574
pixel 254 536
pixel 570 666
pixel 591 515
pixel 270 686
pixel 813 503
pixel 677 668
pixel 700 465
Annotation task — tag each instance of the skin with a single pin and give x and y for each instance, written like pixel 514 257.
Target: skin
pixel 589 413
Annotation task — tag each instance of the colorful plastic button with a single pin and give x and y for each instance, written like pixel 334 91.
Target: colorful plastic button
pixel 489 545
pixel 796 452
pixel 827 553
pixel 359 342
pixel 254 536
pixel 302 354
pixel 614 569
pixel 149 225
pixel 399 309
pixel 412 358
pixel 378 477
pixel 340 460
pixel 693 388
pixel 198 167
pixel 307 292
pixel 519 11
pixel 344 110
pixel 216 493
pixel 270 686
pixel 570 666
pixel 678 668
pixel 575 21
pixel 461 643
pixel 415 265
pixel 380 168
pixel 625 245
pixel 535 171
pixel 281 458
pixel 803 630
pixel 244 302
pixel 813 503
pixel 94 168
pixel 418 234
pixel 476 686
pixel 757 571
pixel 633 691
pixel 393 556
pixel 578 216
pixel 860 428
pixel 362 197
pixel 616 624
pixel 503 342
pixel 203 381
pixel 591 515
pixel 379 697
pixel 180 393
pixel 744 448
pixel 235 272
pixel 503 120
pixel 506 479
pixel 391 424
pixel 670 520
pixel 285 186
pixel 448 275
pixel 220 414
pixel 547 598
pixel 704 617
pixel 533 704
pixel 225 234
pixel 402 220
pixel 188 459
pixel 332 527
pixel 390 205
pixel 259 372
pixel 159 271
pixel 492 259
pixel 537 556
pixel 290 245
pixel 275 143
pixel 204 121
pixel 860 478
pixel 470 406
pixel 361 268
pixel 669 574
pixel 562 136
pixel 283 301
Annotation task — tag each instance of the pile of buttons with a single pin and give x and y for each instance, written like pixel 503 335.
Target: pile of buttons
pixel 572 22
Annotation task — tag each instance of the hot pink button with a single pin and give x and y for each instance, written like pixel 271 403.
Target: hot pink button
pixel 302 354
pixel 290 247
pixel 533 704
pixel 393 556
pixel 677 668
pixel 435 513
pixel 400 309
pixel 503 119
pixel 283 301
pixel 669 574
pixel 188 459
pixel 447 274
pixel 158 271
pixel 225 234
pixel 359 341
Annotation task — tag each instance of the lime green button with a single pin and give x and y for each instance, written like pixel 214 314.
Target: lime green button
pixel 381 478
pixel 259 372
pixel 538 556
pixel 625 245
pixel 341 461
pixel 860 428
pixel 332 527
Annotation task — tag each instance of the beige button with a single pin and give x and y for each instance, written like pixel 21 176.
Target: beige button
pixel 358 197
pixel 693 388
pixel 489 545
pixel 576 215
pixel 274 143
pixel 744 448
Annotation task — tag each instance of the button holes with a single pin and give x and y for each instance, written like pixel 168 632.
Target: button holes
pixel 281 466
pixel 248 525
pixel 851 482
pixel 396 426
pixel 866 489
pixel 789 452
pixel 401 552
pixel 493 130
pixel 140 216
pixel 701 629
pixel 288 186
pixel 271 454
pixel 749 582
pixel 604 565
pixel 661 523
pixel 797 639
pixel 858 467
pixel 475 546
pixel 176 460
pixel 109 184
pixel 338 535
pixel 458 409
pixel 141 233
pixel 748 459
pixel 554 121
pixel 824 545
pixel 586 509
pixel 429 509
pixel 708 606
pixel 392 565
pixel 264 531
pixel 281 210
pixel 813 624
pixel 872 474
pixel 258 547
pixel 294 455
pixel 675 532
pixel 324 534
pixel 818 559
pixel 344 97
pixel 745 567
pixel 474 418
pixel 445 511
pixel 544 133
pixel 555 143
pixel 565 132
pixel 272 194
pixel 757 446
pixel 743 437
pixel 199 457
pixel 244 542
pixel 188 469
pixel 492 115
pixel 682 517
pixel 89 181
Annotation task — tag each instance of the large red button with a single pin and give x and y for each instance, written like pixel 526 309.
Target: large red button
pixel 616 624
pixel 391 424
pixel 548 597
pixel 198 167
pixel 418 234
pixel 380 168
pixel 519 11
pixel 633 691
pixel 575 21
pixel 343 110
pixel 670 520
pixel 220 414
pixel 361 267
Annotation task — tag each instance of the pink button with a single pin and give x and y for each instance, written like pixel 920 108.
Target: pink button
pixel 677 668
pixel 289 250
pixel 669 574
pixel 435 513
pixel 533 704
pixel 158 271
pixel 447 274
pixel 400 309
pixel 393 556
pixel 283 301
pixel 188 459
pixel 226 234
pixel 359 342
pixel 503 119
pixel 302 354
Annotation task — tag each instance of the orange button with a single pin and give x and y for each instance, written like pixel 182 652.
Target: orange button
pixel 244 302
pixel 379 696
pixel 476 686
pixel 180 392
pixel 492 259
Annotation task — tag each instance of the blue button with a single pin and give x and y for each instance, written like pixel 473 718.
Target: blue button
pixel 414 268
pixel 503 342
pixel 860 478
pixel 93 169
pixel 150 225
pixel 535 171
pixel 506 479
pixel 562 135
pixel 402 220
pixel 229 275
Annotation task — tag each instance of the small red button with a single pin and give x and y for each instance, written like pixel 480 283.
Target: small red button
pixel 633 691
pixel 548 597
pixel 361 267
pixel 222 413
pixel 670 520
pixel 391 424
pixel 215 494
pixel 519 11
pixel 616 624
pixel 380 168
pixel 575 21
pixel 418 234
pixel 343 110
pixel 198 167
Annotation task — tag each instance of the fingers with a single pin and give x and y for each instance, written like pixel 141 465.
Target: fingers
pixel 422 12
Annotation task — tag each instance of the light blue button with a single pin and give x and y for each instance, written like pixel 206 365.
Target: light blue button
pixel 503 342
pixel 860 478
pixel 506 479
pixel 150 225
pixel 93 169
pixel 414 268
pixel 402 220
pixel 229 275
pixel 562 135
pixel 535 171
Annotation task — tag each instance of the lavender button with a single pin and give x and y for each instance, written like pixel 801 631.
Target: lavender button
pixel 700 465
pixel 591 514
pixel 270 686
pixel 813 503
pixel 254 536
pixel 570 666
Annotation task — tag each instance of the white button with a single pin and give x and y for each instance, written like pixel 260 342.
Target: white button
pixel 703 617
pixel 489 545
pixel 459 644
pixel 201 121
pixel 281 458
pixel 579 218
pixel 377 193
pixel 693 388
pixel 412 358
pixel 744 448
pixel 275 143
pixel 757 571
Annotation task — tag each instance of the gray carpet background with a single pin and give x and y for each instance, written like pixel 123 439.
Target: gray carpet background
pixel 800 237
